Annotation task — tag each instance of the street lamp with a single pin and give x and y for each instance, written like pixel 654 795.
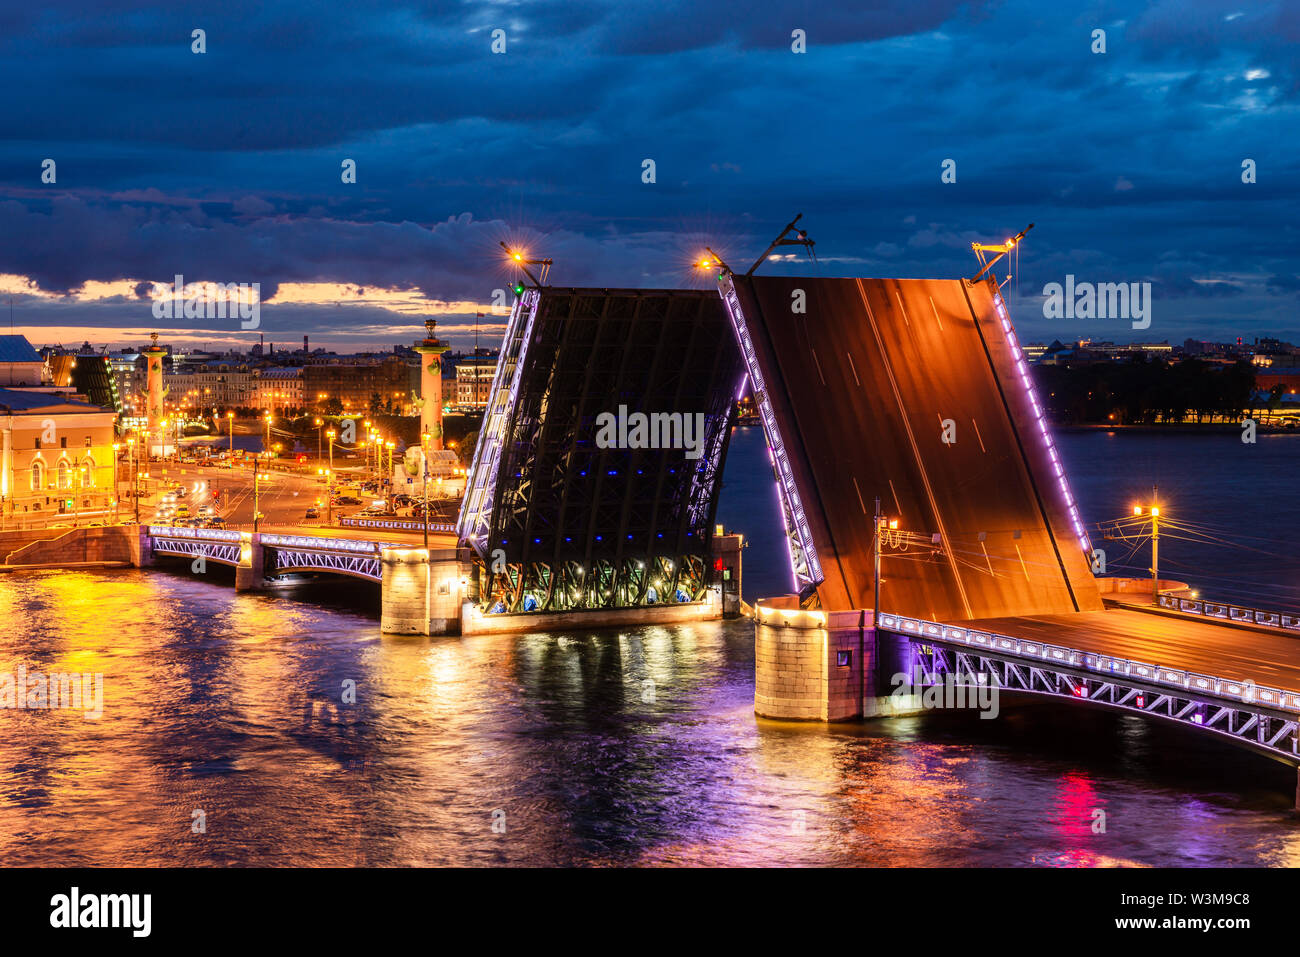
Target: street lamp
pixel 424 456
pixel 116 478
pixel 135 474
pixel 230 417
pixel 1154 511
pixel 329 481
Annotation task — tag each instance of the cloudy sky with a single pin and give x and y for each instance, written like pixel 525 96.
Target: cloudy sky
pixel 226 166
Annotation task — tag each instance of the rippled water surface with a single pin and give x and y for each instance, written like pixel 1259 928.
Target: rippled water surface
pixel 629 747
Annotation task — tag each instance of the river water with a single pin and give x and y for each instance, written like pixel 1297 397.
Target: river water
pixel 224 739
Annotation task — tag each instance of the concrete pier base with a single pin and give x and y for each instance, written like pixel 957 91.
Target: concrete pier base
pixel 250 572
pixel 825 666
pixel 422 591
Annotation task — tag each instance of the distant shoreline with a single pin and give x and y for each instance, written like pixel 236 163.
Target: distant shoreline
pixel 1181 427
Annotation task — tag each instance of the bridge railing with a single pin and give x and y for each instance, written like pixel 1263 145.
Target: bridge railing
pixel 1236 613
pixel 328 544
pixel 397 524
pixel 200 534
pixel 1245 691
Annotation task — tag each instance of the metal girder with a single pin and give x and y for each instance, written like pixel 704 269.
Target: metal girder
pixel 568 519
pixel 1263 719
pixel 226 553
pixel 804 562
pixel 475 519
pixel 356 565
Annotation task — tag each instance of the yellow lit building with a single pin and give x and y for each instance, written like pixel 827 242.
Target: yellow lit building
pixel 56 455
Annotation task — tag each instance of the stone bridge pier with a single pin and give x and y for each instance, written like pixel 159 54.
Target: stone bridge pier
pixel 825 666
pixel 250 573
pixel 423 591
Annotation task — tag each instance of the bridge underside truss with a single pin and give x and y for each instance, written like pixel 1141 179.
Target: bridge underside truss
pixel 225 553
pixel 285 560
pixel 571 507
pixel 1256 727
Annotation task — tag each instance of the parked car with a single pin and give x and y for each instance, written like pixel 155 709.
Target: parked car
pixel 312 512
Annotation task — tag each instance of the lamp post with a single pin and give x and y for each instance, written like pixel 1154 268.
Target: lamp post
pixel 1154 511
pixel 329 481
pixel 117 446
pixel 266 445
pixel 388 474
pixel 230 417
pixel 424 449
pixel 256 496
pixel 135 475
pixel 318 442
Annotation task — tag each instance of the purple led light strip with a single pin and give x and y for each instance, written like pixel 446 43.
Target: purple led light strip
pixel 792 506
pixel 1022 369
pixel 482 473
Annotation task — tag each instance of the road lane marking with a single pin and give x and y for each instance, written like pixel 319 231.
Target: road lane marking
pixel 856 380
pixel 916 450
pixel 818 365
pixel 936 314
pixel 901 308
pixel 859 491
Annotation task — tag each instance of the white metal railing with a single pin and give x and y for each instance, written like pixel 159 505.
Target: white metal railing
pixel 396 524
pixel 326 544
pixel 203 534
pixel 1245 691
pixel 1237 613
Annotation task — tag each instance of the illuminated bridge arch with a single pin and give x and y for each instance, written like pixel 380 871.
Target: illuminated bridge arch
pixel 285 560
pixel 212 544
pixel 335 556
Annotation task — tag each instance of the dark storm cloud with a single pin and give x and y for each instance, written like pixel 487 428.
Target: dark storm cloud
pixel 226 166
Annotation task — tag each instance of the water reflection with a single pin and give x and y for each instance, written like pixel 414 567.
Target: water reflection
pixel 639 747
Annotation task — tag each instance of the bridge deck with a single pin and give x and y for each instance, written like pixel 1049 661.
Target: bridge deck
pixel 861 386
pixel 1206 647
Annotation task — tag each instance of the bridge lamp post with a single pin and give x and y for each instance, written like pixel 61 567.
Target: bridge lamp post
pixel 117 481
pixel 135 474
pixel 329 481
pixel 318 442
pixel 257 511
pixel 230 417
pixel 1154 512
pixel 424 457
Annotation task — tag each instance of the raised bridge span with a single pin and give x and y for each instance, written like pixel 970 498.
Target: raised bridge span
pixel 916 393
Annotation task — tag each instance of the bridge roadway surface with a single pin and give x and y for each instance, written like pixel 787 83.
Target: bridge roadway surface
pixel 1221 651
pixel 861 387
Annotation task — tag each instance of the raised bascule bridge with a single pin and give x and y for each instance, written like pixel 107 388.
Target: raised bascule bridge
pixel 594 485
pixel 916 475
pixel 903 427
